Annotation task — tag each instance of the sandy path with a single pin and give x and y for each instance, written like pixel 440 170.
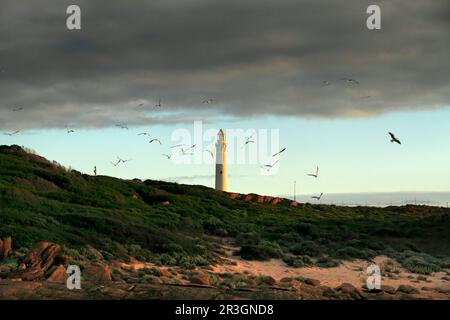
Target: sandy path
pixel 353 272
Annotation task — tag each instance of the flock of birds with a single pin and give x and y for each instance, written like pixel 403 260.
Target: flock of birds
pixel 186 150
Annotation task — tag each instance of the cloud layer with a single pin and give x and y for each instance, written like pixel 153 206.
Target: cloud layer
pixel 253 57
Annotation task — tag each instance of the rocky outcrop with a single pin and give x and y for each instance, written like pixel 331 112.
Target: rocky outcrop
pixel 201 279
pixel 405 288
pixel 58 274
pixel 98 272
pixel 39 260
pixel 5 247
pixel 350 290
pixel 254 198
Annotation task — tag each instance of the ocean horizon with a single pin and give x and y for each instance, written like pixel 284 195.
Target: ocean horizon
pixel 379 199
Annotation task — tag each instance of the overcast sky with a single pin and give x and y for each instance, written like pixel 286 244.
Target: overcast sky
pixel 263 62
pixel 253 57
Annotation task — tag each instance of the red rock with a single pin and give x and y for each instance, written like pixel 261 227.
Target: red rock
pixel 166 273
pixel 42 256
pixel 200 278
pixel 349 289
pixel 39 260
pixel 312 282
pixel 58 275
pixel 248 198
pixel 294 203
pixel 5 247
pixel 97 272
pixel 260 199
pixel 405 288
pixel 276 201
pixel 234 196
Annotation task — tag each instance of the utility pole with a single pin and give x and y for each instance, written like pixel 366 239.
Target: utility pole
pixel 295 193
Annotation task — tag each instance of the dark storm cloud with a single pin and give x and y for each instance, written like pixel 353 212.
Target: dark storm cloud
pixel 254 57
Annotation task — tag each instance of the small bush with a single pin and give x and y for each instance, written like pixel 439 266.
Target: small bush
pixel 308 247
pixel 264 250
pixel 156 272
pixel 327 262
pixel 419 265
pixel 297 261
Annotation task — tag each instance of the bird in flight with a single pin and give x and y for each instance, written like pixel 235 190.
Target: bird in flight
pixel 122 160
pixel 95 170
pixel 248 140
pixel 155 140
pixel 115 164
pixel 269 167
pixel 316 174
pixel 144 134
pixel 158 104
pixel 394 138
pixel 178 145
pixel 317 197
pixel 121 126
pixel 12 133
pixel 326 83
pixel 185 151
pixel 208 101
pixel 210 152
pixel 17 109
pixel 141 104
pixel 350 81
pixel 167 156
pixel 69 131
pixel 279 152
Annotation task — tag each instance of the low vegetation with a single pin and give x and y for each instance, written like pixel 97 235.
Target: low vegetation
pixel 172 224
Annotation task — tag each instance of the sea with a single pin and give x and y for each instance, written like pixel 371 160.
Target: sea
pixel 379 199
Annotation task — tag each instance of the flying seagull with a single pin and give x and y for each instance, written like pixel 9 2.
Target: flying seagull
pixel 12 133
pixel 167 156
pixel 141 104
pixel 269 167
pixel 121 126
pixel 316 174
pixel 317 197
pixel 279 152
pixel 122 160
pixel 248 140
pixel 210 152
pixel 185 151
pixel 350 81
pixel 208 101
pixel 144 134
pixel 115 164
pixel 394 138
pixel 17 109
pixel 326 83
pixel 69 131
pixel 158 104
pixel 155 140
pixel 178 145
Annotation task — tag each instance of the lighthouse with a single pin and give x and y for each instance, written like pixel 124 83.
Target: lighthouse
pixel 221 162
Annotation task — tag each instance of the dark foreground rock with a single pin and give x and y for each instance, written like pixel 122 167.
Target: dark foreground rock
pixel 5 247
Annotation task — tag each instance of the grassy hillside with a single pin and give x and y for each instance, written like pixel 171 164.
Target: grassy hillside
pixel 40 200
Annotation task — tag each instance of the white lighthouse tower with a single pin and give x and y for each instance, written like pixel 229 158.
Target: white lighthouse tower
pixel 221 162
